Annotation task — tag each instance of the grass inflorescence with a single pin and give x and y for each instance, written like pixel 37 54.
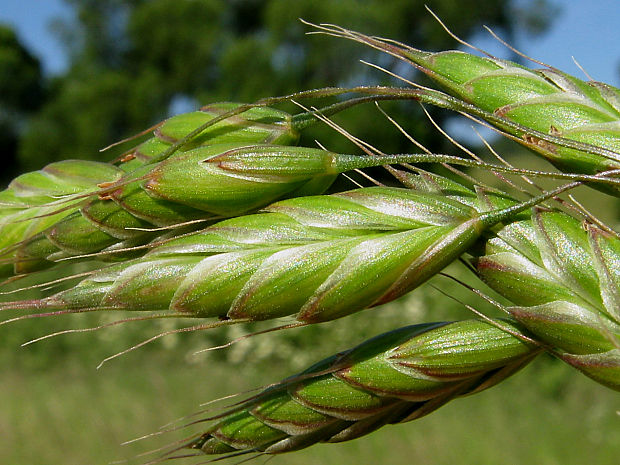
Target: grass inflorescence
pixel 220 217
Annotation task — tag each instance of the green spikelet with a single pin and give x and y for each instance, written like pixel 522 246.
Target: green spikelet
pixel 328 248
pixel 158 195
pixel 317 258
pixel 35 201
pixel 258 125
pixel 573 123
pixel 395 377
pixel 564 278
pixel 546 100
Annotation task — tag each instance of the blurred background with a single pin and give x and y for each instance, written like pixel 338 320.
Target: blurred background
pixel 77 75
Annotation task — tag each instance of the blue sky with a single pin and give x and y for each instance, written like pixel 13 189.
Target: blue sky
pixel 587 30
pixel 32 19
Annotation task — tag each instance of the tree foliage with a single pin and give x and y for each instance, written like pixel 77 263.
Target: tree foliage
pixel 21 93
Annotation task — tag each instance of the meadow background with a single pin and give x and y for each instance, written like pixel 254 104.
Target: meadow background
pixel 131 63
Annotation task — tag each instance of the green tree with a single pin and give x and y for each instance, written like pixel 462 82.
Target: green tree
pixel 21 93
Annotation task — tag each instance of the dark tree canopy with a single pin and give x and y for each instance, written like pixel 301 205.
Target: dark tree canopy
pixel 21 93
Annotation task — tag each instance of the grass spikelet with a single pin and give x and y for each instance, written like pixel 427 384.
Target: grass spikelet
pixel 34 201
pixel 564 278
pixel 572 123
pixel 396 377
pixel 341 253
pixel 211 125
